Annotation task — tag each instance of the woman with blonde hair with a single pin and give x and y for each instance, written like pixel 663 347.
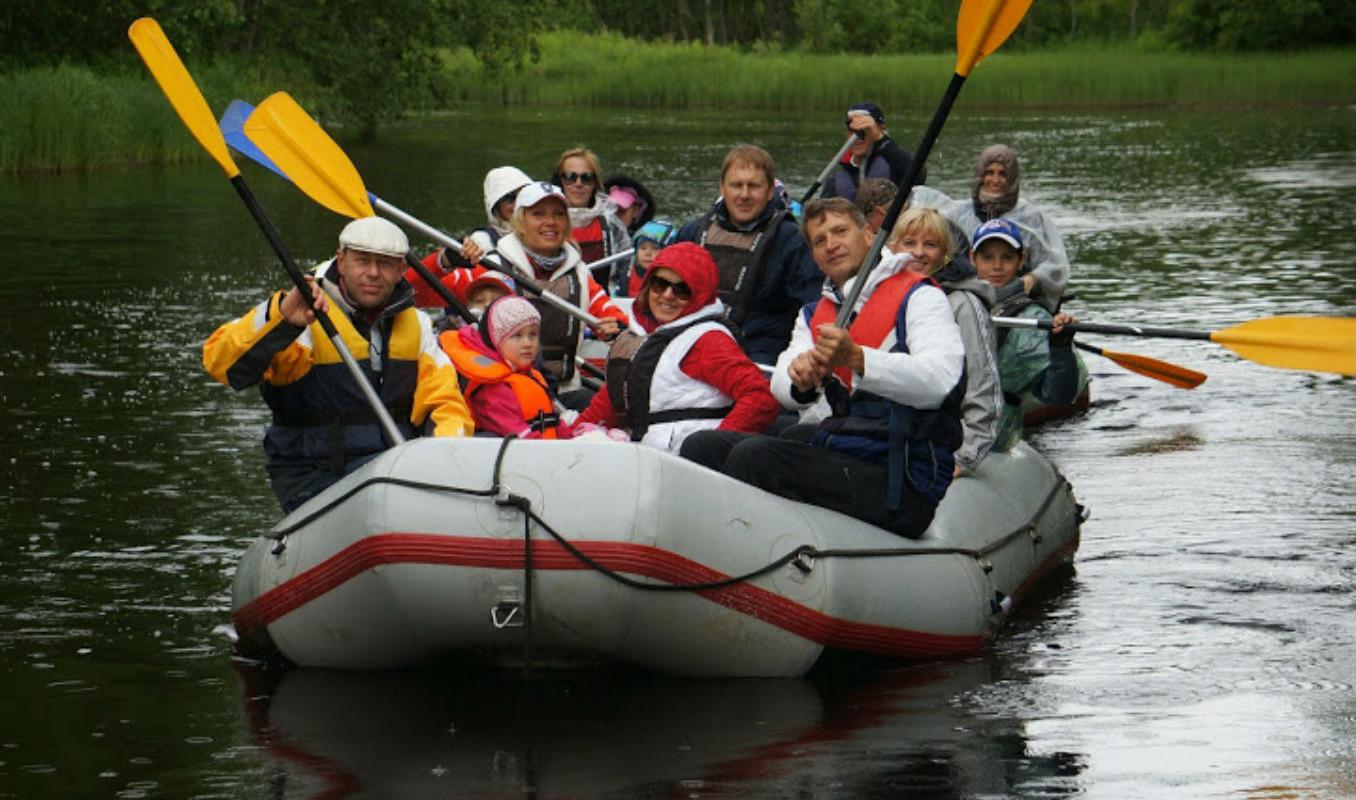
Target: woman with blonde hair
pixel 539 247
pixel 595 224
pixel 923 237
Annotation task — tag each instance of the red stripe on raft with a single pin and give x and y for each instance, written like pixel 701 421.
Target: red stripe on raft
pixel 633 559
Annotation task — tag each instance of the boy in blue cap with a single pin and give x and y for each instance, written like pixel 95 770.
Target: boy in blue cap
pixel 1031 363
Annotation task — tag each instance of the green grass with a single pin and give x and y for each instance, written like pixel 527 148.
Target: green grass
pixel 73 118
pixel 608 70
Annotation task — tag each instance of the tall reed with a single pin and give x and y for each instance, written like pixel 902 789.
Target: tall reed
pixel 63 118
pixel 608 70
pixel 71 118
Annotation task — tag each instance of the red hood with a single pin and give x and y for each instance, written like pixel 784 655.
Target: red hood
pixel 695 266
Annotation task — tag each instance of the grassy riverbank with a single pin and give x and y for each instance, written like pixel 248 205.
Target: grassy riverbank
pixel 603 70
pixel 73 118
pixel 68 118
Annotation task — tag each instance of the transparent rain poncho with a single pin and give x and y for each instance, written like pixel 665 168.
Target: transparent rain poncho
pixel 1045 254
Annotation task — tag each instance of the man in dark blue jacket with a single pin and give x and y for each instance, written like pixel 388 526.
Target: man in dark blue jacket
pixel 767 272
pixel 872 155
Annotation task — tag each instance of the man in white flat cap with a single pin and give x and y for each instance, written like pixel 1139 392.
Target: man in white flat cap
pixel 323 427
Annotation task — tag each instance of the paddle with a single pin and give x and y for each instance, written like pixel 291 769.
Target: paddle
pixel 981 27
pixel 232 127
pixel 833 162
pixel 1319 344
pixel 303 153
pixel 187 100
pixel 1178 376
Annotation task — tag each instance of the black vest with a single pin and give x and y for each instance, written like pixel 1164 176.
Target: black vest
pixel 739 257
pixel 631 363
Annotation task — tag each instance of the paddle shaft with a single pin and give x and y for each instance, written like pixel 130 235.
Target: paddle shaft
pixel 588 366
pixel 1115 330
pixel 901 197
pixel 823 176
pixel 299 280
pixel 442 238
pixel 448 298
pixel 612 259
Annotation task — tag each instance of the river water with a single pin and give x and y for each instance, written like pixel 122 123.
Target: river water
pixel 1203 645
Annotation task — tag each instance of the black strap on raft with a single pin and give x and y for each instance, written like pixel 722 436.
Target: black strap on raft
pixel 681 414
pixel 802 556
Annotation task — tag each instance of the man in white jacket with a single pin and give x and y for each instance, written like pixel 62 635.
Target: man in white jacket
pixel 892 380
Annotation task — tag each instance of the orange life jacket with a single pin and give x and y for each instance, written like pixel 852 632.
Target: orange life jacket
pixel 529 388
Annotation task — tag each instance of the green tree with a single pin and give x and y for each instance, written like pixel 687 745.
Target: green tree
pixel 1261 24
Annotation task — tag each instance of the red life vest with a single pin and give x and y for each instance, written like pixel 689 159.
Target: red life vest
pixel 529 388
pixel 590 240
pixel 876 319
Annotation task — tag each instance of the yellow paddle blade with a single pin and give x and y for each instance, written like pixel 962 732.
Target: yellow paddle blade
pixel 179 88
pixel 1319 344
pixel 982 27
pixel 308 156
pixel 1169 373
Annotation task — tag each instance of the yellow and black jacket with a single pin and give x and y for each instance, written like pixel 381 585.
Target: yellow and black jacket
pixel 320 416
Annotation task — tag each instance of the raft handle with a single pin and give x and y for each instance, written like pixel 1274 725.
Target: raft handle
pixel 505 614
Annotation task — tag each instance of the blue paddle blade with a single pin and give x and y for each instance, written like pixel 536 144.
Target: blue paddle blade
pixel 233 129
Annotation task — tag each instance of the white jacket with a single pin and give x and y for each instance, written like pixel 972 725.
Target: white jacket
pixel 920 378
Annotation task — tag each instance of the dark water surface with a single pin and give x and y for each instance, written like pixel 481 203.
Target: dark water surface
pixel 1204 645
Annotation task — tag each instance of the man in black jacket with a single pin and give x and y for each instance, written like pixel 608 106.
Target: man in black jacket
pixel 873 155
pixel 766 270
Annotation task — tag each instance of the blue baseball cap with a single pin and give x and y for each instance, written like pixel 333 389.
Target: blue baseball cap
pixel 997 229
pixel 657 231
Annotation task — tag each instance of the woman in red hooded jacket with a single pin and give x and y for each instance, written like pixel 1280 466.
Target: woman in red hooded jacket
pixel 678 368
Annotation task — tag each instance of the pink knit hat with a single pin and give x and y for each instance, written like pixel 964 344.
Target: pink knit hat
pixel 506 316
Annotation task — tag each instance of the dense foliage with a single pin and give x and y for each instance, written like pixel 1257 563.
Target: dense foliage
pixel 910 26
pixel 362 59
pixel 370 59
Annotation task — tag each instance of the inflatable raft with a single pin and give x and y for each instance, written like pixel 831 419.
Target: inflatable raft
pixel 568 554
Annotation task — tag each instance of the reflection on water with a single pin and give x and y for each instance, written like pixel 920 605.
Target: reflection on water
pixel 1203 647
pixel 897 732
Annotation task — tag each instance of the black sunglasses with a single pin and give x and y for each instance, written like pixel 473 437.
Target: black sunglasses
pixel 579 177
pixel 680 290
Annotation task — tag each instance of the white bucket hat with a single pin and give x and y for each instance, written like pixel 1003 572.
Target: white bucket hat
pixel 374 235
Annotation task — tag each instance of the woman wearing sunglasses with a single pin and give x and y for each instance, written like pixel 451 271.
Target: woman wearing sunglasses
pixel 596 227
pixel 678 368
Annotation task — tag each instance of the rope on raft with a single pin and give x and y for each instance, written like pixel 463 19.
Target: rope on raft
pixel 801 556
